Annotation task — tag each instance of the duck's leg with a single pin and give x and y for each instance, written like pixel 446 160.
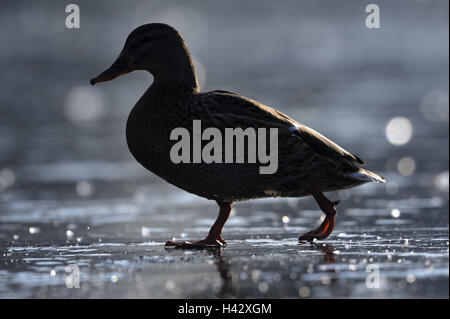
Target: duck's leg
pixel 214 238
pixel 327 206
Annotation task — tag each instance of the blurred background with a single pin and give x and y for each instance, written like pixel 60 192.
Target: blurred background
pixel 71 193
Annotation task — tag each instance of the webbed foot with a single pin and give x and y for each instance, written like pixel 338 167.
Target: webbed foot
pixel 325 229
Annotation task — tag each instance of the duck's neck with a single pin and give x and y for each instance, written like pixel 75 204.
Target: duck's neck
pixel 179 68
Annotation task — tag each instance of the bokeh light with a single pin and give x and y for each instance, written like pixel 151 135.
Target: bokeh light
pixel 7 178
pixel 441 181
pixel 145 231
pixel 434 106
pixel 69 234
pixel 410 278
pixel 84 189
pixel 304 291
pixel 391 188
pixel 84 104
pixel 399 130
pixel 406 166
pixel 33 230
pixel 395 212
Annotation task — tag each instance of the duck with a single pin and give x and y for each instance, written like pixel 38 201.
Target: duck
pixel 309 164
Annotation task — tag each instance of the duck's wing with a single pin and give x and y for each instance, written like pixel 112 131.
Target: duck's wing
pixel 235 110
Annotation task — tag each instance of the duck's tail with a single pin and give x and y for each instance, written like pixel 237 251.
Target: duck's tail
pixel 366 176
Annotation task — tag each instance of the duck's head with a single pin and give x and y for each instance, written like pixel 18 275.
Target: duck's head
pixel 157 48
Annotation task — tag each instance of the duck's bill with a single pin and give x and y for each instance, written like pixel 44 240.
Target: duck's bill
pixel 111 73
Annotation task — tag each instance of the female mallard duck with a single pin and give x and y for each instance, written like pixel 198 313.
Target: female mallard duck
pixel 308 163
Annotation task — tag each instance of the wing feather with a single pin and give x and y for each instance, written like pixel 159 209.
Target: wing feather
pixel 225 104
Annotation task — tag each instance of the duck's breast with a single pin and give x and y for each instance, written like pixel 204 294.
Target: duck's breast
pixel 148 129
pixel 145 136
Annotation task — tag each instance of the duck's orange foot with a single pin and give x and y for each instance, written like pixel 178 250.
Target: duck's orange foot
pixel 321 232
pixel 325 229
pixel 209 242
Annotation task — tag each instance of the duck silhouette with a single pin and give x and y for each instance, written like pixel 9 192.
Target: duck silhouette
pixel 308 162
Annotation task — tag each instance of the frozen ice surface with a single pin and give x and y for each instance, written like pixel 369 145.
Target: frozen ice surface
pixel 263 258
